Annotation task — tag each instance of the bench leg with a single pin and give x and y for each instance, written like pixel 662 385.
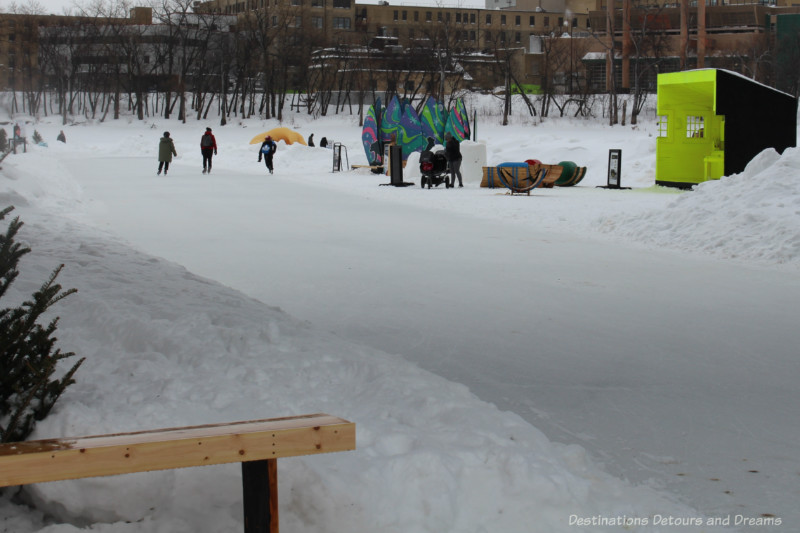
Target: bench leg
pixel 260 491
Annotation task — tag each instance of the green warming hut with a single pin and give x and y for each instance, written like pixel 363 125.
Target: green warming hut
pixel 712 122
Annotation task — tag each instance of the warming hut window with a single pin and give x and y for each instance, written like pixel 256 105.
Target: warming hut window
pixel 662 123
pixel 694 127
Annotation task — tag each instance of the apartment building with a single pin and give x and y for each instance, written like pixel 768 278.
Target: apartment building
pixel 19 43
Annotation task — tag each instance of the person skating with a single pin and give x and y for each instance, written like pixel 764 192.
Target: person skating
pixel 166 149
pixel 268 148
pixel 311 140
pixel 452 152
pixel 208 147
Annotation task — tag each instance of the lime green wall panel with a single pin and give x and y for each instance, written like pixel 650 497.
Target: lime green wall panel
pixel 693 129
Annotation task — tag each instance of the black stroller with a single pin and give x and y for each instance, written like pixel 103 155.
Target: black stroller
pixel 433 167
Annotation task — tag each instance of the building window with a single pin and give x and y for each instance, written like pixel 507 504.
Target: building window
pixel 487 36
pixel 458 17
pixel 298 22
pixel 517 37
pixel 488 18
pixel 532 21
pixel 694 127
pixel 317 3
pixel 274 20
pixel 503 20
pixel 547 22
pixel 472 35
pixel 662 125
pixel 517 20
pixel 317 22
pixel 560 21
pixel 296 2
pixel 405 15
pixel 439 16
pixel 396 15
pixel 502 37
pixel 343 4
pixel 428 16
pixel 341 23
pixel 472 18
pixel 410 33
pixel 409 86
pixel 416 16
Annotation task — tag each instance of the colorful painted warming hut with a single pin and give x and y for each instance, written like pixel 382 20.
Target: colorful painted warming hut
pixel 712 122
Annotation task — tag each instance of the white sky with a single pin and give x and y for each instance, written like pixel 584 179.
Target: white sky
pixel 57 7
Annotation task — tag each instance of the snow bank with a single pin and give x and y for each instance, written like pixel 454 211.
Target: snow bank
pixel 752 216
pixel 165 347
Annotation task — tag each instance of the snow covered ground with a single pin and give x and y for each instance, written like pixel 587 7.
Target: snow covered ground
pixel 578 360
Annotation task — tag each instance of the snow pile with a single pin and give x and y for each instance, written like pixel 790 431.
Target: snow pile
pixel 753 216
pixel 165 348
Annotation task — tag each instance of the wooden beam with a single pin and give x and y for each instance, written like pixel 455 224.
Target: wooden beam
pixel 260 496
pixel 22 463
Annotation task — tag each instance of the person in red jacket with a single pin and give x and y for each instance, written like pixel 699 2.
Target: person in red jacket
pixel 208 147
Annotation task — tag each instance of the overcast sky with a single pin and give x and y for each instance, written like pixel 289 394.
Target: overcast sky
pixel 57 7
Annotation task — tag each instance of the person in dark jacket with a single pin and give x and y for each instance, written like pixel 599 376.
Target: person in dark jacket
pixel 61 137
pixel 208 147
pixel 166 149
pixel 268 149
pixel 452 151
pixel 324 142
pixel 311 140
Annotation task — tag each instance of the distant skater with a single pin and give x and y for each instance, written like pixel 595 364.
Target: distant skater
pixel 208 147
pixel 268 149
pixel 166 149
pixel 311 140
pixel 452 150
pixel 61 137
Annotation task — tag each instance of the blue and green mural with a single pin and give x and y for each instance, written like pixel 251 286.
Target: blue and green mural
pixel 399 121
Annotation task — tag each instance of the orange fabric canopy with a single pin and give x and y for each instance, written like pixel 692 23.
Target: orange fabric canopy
pixel 279 134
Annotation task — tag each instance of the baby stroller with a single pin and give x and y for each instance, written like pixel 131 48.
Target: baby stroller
pixel 433 167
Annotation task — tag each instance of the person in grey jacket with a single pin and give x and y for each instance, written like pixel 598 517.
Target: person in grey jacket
pixel 166 149
pixel 452 151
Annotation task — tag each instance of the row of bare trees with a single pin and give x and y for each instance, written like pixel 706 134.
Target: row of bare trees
pixel 104 63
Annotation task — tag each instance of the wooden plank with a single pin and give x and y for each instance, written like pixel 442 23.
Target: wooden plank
pixel 22 463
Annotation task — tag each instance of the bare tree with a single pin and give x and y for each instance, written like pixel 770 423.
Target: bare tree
pixel 650 45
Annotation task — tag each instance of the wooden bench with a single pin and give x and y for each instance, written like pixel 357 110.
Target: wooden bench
pixel 257 444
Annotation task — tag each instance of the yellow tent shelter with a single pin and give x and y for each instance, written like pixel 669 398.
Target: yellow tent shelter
pixel 279 134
